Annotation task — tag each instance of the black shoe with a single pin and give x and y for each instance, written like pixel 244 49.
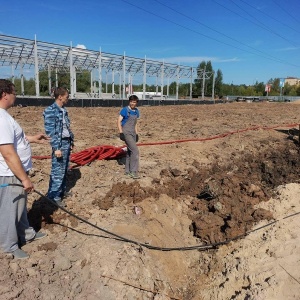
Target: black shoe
pixel 61 203
pixel 68 194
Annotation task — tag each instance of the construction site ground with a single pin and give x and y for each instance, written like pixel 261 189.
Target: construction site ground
pixel 228 185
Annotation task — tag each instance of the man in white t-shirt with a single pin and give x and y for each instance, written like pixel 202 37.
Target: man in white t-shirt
pixel 15 163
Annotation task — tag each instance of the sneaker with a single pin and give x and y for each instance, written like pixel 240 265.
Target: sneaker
pixel 20 254
pixel 38 236
pixel 134 176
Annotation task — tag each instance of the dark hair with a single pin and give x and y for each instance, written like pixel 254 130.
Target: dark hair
pixel 6 86
pixel 60 91
pixel 133 98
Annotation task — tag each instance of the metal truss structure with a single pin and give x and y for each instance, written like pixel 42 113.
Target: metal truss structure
pixel 19 53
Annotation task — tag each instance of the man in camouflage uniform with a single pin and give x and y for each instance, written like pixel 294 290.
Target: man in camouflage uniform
pixel 57 126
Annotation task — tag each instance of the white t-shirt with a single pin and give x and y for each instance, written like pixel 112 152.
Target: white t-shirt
pixel 12 133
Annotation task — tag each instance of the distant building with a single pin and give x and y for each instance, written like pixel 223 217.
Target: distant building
pixel 292 80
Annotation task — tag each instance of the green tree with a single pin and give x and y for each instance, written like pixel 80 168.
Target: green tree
pixel 83 82
pixel 218 83
pixel 259 88
pixel 275 89
pixel 198 81
pixel 44 83
pixel 207 69
pixel 208 84
pixel 29 87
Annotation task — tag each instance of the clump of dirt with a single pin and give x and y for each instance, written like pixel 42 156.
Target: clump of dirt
pixel 224 197
pixel 51 246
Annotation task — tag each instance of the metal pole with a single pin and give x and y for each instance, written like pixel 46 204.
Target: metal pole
pixel 92 90
pixel 168 87
pixel 100 75
pixel 22 78
pixel 113 82
pixel 120 85
pixel 36 68
pixel 144 79
pixel 203 82
pixel 106 82
pixel 49 79
pixel 129 84
pixel 162 81
pixel 74 81
pixel 71 72
pixel 56 78
pixel 191 84
pixel 124 65
pixel 177 82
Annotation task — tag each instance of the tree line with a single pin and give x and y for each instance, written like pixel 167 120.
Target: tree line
pixel 203 84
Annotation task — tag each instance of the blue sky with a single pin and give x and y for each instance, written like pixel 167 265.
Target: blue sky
pixel 248 40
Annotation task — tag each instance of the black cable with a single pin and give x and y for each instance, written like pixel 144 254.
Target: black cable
pixel 148 246
pixel 270 16
pixel 263 26
pixel 286 11
pixel 264 54
pixel 269 57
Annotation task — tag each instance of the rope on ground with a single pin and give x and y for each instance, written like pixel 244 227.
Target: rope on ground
pixel 140 287
pixel 148 246
pixel 87 156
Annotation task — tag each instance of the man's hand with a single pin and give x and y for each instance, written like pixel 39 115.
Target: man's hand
pixel 38 138
pixel 58 153
pixel 28 186
pixel 122 137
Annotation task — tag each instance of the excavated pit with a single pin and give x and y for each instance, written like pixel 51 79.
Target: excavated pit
pixel 224 197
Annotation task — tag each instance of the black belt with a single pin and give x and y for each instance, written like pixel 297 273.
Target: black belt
pixel 66 138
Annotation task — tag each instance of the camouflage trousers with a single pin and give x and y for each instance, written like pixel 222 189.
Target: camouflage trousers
pixel 58 177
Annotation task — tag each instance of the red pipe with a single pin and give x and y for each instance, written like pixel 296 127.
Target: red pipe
pixel 111 152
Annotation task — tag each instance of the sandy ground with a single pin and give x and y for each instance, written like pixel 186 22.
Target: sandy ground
pixel 239 192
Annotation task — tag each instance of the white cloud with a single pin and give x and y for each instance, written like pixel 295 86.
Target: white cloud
pixel 81 46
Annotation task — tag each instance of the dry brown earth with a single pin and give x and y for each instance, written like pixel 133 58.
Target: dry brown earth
pixel 190 193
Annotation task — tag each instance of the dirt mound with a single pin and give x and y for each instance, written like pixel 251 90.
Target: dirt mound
pixel 224 197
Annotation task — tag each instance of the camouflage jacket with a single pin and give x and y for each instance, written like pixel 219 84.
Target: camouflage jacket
pixel 53 122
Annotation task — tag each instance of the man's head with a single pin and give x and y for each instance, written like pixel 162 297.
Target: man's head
pixel 7 93
pixel 61 95
pixel 133 101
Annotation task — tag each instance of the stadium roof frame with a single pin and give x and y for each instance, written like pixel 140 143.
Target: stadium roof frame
pixel 16 52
